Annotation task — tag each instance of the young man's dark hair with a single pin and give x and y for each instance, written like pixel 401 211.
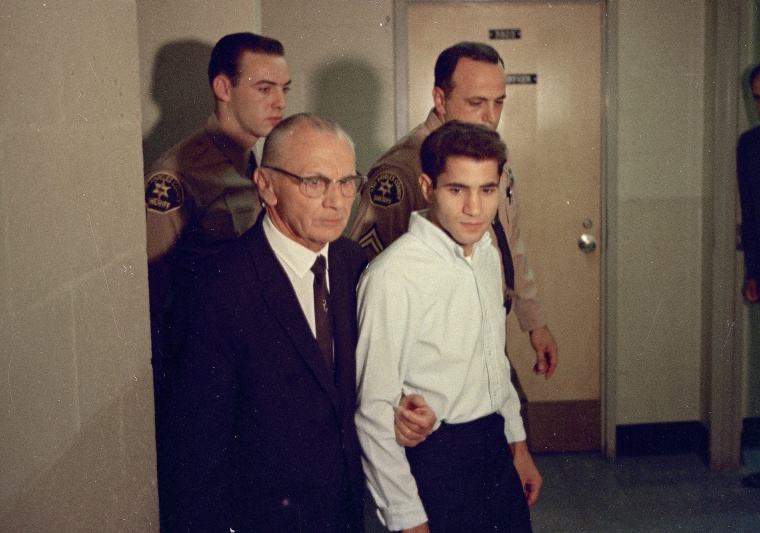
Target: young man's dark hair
pixel 456 138
pixel 448 59
pixel 226 53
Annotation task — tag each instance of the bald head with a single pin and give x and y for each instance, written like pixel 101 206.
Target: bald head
pixel 276 144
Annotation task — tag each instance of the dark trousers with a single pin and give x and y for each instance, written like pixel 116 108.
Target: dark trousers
pixel 466 479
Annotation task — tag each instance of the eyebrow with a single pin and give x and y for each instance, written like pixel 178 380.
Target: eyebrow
pixel 271 82
pixel 463 186
pixel 485 98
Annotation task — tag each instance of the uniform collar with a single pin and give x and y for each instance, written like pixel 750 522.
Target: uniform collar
pixel 236 154
pixel 432 122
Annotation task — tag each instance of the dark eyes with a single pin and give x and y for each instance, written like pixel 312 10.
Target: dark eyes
pixel 486 190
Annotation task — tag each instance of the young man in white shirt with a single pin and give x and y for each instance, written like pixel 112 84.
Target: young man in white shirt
pixel 431 322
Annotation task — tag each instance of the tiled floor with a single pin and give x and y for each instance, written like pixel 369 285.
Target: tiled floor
pixel 584 492
pixel 588 493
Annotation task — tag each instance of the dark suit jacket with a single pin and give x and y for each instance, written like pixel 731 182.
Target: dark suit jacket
pixel 748 171
pixel 258 435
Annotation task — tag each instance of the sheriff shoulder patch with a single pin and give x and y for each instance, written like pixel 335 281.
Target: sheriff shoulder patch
pixel 163 192
pixel 386 190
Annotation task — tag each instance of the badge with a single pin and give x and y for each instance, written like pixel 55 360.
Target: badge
pixel 386 190
pixel 511 177
pixel 510 184
pixel 163 193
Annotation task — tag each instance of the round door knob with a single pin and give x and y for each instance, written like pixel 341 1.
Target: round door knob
pixel 587 243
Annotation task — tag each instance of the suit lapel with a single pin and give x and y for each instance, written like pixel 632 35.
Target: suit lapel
pixel 281 299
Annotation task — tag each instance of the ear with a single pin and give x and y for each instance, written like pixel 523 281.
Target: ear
pixel 266 190
pixel 222 87
pixel 438 99
pixel 426 184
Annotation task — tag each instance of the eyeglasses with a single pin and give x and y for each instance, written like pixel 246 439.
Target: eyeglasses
pixel 316 186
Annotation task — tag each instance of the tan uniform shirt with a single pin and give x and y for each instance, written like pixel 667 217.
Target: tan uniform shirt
pixel 198 196
pixel 393 192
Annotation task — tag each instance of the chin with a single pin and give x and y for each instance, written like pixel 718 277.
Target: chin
pixel 329 236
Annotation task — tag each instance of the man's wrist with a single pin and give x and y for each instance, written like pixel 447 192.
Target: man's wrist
pixel 519 448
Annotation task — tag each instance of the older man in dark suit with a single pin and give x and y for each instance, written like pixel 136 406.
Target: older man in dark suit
pixel 260 431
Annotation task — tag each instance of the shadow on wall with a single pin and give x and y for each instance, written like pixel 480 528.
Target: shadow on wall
pixel 348 91
pixel 181 90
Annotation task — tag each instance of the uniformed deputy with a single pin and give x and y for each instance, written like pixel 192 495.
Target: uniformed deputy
pixel 469 86
pixel 200 194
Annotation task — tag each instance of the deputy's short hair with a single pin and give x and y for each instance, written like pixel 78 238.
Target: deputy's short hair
pixel 225 57
pixel 447 61
pixel 456 138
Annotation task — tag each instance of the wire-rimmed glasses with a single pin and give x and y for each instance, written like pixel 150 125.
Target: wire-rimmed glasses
pixel 316 186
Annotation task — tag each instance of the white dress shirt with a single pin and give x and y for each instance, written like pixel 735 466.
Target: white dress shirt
pixel 297 261
pixel 431 322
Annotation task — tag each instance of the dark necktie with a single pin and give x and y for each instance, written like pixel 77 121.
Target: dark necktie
pixel 251 168
pixel 322 312
pixel 506 261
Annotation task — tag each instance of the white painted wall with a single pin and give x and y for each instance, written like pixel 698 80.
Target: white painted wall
pixel 77 448
pixel 660 187
pixel 340 54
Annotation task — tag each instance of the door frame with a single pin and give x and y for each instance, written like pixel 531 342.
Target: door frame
pixel 722 399
pixel 725 346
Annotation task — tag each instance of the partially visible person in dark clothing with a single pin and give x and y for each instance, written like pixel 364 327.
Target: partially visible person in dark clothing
pixel 748 174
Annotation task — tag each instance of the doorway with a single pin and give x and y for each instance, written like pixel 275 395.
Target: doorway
pixel 552 126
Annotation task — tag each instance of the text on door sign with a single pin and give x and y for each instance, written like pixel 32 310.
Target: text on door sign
pixel 522 79
pixel 506 33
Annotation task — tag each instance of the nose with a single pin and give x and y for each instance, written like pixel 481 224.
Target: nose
pixel 491 114
pixel 472 204
pixel 333 197
pixel 279 100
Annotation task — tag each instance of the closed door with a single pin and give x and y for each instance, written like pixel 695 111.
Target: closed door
pixel 552 126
